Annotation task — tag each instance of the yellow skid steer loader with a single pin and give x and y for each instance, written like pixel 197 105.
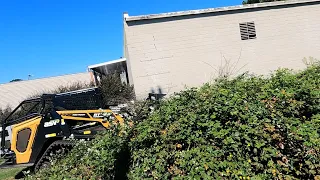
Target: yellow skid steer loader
pixel 41 127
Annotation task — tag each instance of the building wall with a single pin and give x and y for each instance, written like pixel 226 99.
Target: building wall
pixel 126 54
pixel 11 94
pixel 169 53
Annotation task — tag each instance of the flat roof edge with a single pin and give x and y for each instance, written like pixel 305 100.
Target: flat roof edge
pixel 213 10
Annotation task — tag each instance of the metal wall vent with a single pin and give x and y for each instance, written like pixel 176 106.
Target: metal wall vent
pixel 248 31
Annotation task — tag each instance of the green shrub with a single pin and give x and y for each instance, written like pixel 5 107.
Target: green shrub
pixel 72 87
pixel 88 160
pixel 4 113
pixel 246 128
pixel 101 158
pixel 114 91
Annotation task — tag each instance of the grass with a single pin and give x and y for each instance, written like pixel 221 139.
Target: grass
pixel 8 174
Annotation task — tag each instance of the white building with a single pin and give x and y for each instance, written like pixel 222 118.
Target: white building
pixel 170 50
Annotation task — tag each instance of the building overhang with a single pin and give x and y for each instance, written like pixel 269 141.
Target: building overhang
pixel 105 68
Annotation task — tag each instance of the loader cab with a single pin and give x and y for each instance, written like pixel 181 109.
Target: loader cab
pixel 20 127
pixel 25 110
pixel 19 130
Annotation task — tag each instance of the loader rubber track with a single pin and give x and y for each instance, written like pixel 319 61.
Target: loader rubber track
pixel 57 149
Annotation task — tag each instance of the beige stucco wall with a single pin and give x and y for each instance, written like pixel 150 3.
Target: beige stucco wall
pixel 173 52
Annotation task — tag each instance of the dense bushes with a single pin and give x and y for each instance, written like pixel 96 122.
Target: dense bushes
pixel 72 87
pixel 115 92
pixel 97 159
pixel 246 128
pixel 4 113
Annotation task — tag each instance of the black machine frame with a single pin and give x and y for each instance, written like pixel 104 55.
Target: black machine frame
pixel 61 101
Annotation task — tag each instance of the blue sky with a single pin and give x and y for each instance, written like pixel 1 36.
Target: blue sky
pixel 55 37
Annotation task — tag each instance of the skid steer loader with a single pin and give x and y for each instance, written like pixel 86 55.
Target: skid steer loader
pixel 41 127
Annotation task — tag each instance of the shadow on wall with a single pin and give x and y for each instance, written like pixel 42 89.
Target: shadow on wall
pixel 160 91
pixel 156 95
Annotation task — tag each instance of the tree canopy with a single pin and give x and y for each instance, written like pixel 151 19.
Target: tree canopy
pixel 257 1
pixel 15 80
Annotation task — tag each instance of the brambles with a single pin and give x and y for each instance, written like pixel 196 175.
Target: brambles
pixel 96 159
pixel 114 91
pixel 246 128
pixel 249 127
pixel 72 87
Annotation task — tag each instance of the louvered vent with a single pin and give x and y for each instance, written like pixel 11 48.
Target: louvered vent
pixel 247 30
